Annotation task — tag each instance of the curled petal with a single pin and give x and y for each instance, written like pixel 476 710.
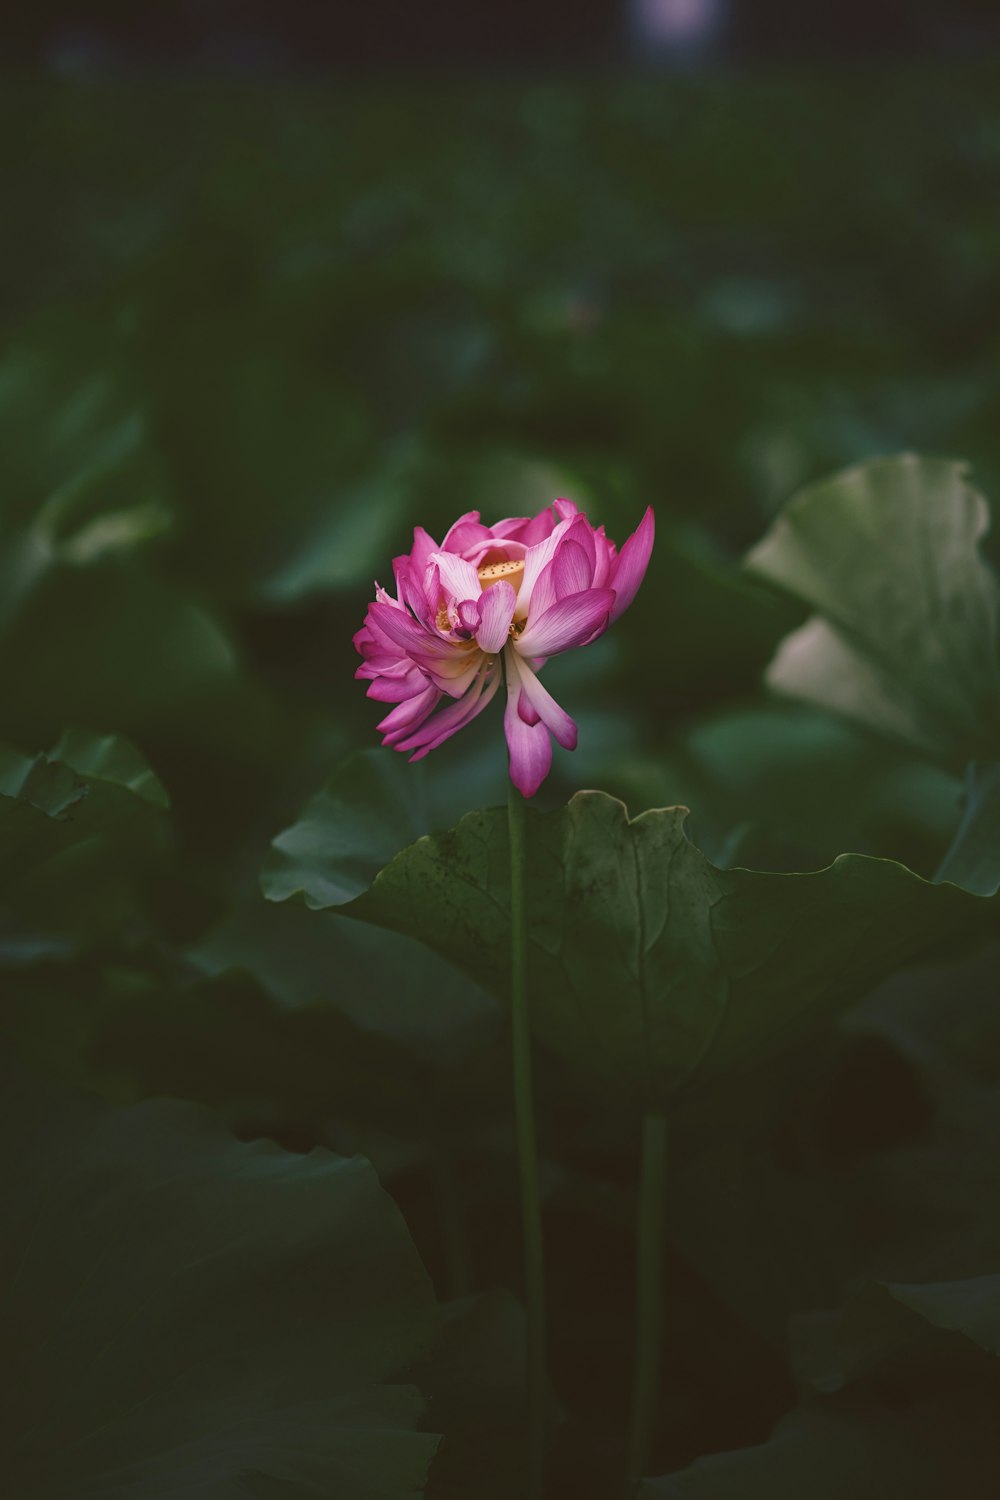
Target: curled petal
pixel 570 622
pixel 389 687
pixel 633 561
pixel 496 610
pixel 542 704
pixel 450 720
pixel 406 716
pixel 529 744
pixel 468 615
pixel 525 710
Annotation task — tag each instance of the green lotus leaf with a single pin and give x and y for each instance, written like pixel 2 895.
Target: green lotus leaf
pixel 646 962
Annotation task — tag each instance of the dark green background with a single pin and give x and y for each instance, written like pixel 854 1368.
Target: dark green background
pixel 253 334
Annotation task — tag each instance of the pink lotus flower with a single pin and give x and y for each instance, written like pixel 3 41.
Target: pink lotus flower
pixel 494 602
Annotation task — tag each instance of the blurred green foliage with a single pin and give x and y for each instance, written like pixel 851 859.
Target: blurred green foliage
pixel 252 336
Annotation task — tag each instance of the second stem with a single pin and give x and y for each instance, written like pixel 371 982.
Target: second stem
pixel 649 1295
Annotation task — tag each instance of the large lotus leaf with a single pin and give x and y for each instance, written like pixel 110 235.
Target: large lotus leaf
pixel 942 1446
pixel 191 1314
pixel 647 962
pixel 904 638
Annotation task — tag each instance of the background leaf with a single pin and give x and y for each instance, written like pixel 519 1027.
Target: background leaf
pixel 905 635
pixel 187 1311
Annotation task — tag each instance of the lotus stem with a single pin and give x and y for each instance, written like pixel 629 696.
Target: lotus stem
pixel 527 1155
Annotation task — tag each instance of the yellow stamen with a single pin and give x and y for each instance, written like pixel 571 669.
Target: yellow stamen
pixel 512 571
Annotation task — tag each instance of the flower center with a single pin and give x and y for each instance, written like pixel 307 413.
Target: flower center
pixel 512 571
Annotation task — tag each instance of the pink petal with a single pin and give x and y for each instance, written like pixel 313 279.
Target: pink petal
pixel 569 572
pixel 566 510
pixel 503 549
pixel 572 569
pixel 536 559
pixel 582 533
pixel 466 532
pixel 403 631
pixel 529 744
pixel 606 555
pixel 388 687
pixel 525 710
pixel 407 716
pixel 468 615
pixel 456 676
pixel 420 553
pixel 450 720
pixel 511 526
pixel 570 622
pixel 543 704
pixel 458 577
pixel 633 561
pixel 496 610
pixel 528 532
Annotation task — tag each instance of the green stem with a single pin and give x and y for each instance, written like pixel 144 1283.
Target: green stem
pixel 527 1152
pixel 649 1295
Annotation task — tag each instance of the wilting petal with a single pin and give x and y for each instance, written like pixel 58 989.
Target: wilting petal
pixel 529 744
pixel 496 610
pixel 388 687
pixel 570 622
pixel 542 703
pixel 407 716
pixel 450 720
pixel 633 561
